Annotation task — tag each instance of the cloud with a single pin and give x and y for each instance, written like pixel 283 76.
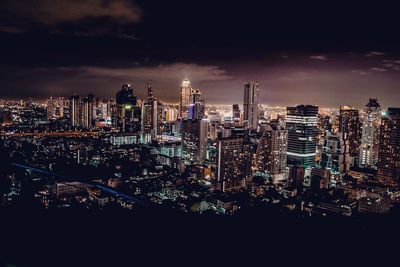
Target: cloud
pixel 378 69
pixel 391 64
pixel 318 57
pixel 91 17
pixel 360 72
pixel 162 72
pixel 374 54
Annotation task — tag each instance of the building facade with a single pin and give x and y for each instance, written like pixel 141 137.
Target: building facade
pixel 250 104
pixel 301 123
pixel 370 135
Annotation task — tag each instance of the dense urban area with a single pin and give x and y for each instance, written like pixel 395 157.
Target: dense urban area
pixel 127 153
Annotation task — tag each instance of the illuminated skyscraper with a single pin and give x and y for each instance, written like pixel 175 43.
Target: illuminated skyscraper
pixel 389 147
pixel 127 115
pixel 370 135
pixel 335 153
pixel 87 119
pixel 233 162
pixel 195 110
pixel 235 112
pixel 194 140
pixel 271 149
pixel 301 123
pixel 148 112
pixel 75 110
pixel 250 104
pixel 186 91
pixel 349 125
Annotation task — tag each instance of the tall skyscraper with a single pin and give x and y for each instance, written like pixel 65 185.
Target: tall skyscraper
pixel 250 104
pixel 233 162
pixel 349 125
pixel 148 112
pixel 87 114
pixel 186 90
pixel 301 123
pixel 127 115
pixel 194 140
pixel 335 153
pixel 75 110
pixel 370 135
pixel 271 150
pixel 389 147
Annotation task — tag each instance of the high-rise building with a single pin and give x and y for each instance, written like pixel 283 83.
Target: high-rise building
pixel 233 162
pixel 301 123
pixel 194 140
pixel 235 112
pixel 370 135
pixel 191 105
pixel 389 147
pixel 55 108
pixel 148 117
pixel 127 114
pixel 171 114
pixel 349 125
pixel 75 110
pixel 335 153
pixel 271 149
pixel 186 90
pixel 250 105
pixel 87 114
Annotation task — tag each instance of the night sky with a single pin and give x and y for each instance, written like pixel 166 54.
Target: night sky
pixel 323 53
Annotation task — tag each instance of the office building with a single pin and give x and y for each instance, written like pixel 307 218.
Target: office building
pixel 127 117
pixel 389 147
pixel 335 153
pixel 271 150
pixel 350 127
pixel 233 162
pixel 75 110
pixel 87 113
pixel 194 140
pixel 186 90
pixel 250 105
pixel 301 123
pixel 369 148
pixel 235 112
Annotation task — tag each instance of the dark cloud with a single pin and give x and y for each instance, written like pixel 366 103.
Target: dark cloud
pixel 375 54
pixel 318 57
pixel 81 17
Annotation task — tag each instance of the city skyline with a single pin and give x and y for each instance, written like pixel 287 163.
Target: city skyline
pixel 48 52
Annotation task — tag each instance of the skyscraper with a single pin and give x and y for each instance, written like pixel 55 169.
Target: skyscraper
pixel 349 125
pixel 87 115
pixel 389 147
pixel 301 123
pixel 127 115
pixel 186 91
pixel 250 104
pixel 75 110
pixel 370 135
pixel 271 149
pixel 235 112
pixel 335 153
pixel 233 162
pixel 148 112
pixel 194 140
